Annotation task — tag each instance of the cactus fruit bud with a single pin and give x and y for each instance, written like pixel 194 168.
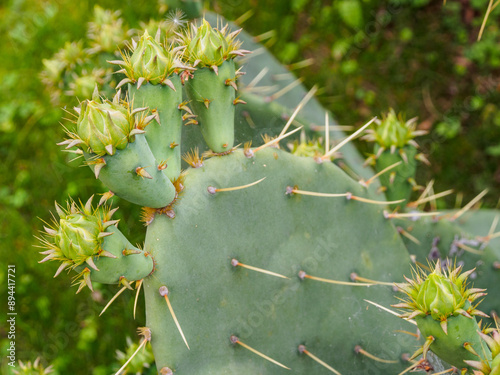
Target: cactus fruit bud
pixel 78 235
pixel 104 126
pixel 85 239
pixel 393 131
pixel 209 47
pixel 440 294
pixel 150 61
pixel 441 303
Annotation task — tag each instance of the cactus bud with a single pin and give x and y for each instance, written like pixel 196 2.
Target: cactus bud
pixel 106 31
pixel 104 126
pixel 150 61
pixel 393 131
pixel 209 47
pixel 441 304
pixel 208 43
pixel 306 148
pixel 78 235
pixel 439 296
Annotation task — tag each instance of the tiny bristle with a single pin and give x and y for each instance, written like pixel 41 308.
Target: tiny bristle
pixel 148 215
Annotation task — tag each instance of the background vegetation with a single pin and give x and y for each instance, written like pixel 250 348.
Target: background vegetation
pixel 417 56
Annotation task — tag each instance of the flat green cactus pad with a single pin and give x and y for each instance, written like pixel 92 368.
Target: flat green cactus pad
pixel 263 227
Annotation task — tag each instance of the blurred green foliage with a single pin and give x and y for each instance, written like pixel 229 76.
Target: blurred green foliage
pixel 416 56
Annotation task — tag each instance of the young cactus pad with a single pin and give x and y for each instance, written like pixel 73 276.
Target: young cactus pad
pixel 213 85
pixel 214 297
pixel 394 143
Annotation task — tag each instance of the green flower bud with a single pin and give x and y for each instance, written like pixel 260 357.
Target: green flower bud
pixel 150 60
pixel 77 236
pixel 104 127
pixel 495 366
pixel 106 31
pixel 83 85
pixel 72 54
pixel 393 131
pixel 209 47
pixel 143 359
pixel 208 44
pixel 439 296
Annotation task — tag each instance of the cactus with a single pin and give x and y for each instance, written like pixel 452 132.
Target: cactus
pixel 395 152
pixel 256 260
pixel 443 307
pixel 213 85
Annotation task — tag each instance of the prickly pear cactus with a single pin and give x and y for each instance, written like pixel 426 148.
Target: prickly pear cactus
pixel 256 260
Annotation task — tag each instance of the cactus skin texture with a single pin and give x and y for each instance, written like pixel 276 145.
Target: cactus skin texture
pixel 163 136
pixel 214 300
pixel 155 67
pixel 34 368
pixel 212 101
